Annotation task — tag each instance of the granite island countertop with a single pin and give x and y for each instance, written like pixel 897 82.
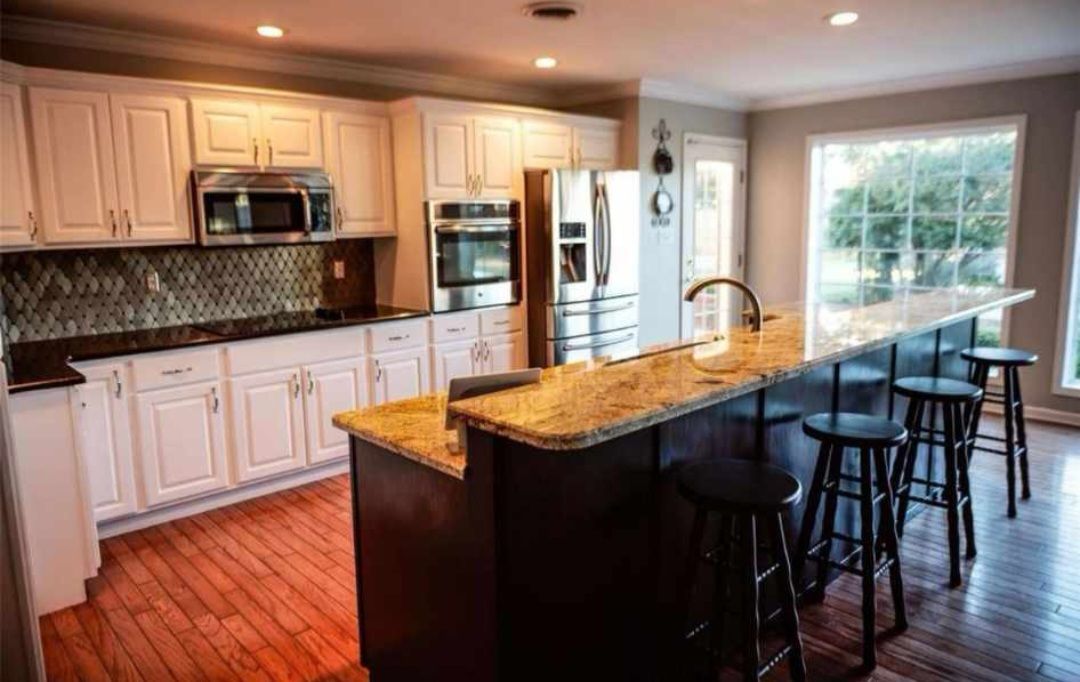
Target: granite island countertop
pixel 583 404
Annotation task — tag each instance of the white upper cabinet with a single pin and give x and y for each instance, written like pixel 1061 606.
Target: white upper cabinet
pixel 18 214
pixel 448 155
pixel 76 172
pixel 596 148
pixel 292 135
pixel 103 428
pixel 359 160
pixel 152 163
pixel 268 423
pixel 497 166
pixel 227 132
pixel 548 144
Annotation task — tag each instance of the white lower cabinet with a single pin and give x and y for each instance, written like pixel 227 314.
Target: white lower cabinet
pixel 268 423
pixel 503 352
pixel 332 387
pixel 455 359
pixel 103 435
pixel 182 441
pixel 400 374
pixel 471 343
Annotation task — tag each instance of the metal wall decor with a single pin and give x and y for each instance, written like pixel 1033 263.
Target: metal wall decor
pixel 663 164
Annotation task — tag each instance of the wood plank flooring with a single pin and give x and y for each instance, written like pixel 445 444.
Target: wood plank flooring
pixel 264 590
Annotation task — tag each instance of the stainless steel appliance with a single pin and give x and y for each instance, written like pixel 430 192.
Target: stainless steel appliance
pixel 582 245
pixel 475 253
pixel 245 207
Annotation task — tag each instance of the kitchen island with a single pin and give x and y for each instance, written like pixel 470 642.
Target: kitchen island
pixel 548 544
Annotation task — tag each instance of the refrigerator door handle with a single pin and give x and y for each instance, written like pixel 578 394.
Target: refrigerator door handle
pixel 598 232
pixel 598 344
pixel 607 234
pixel 597 310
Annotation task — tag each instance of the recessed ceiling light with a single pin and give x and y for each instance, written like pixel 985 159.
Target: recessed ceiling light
pixel 268 31
pixel 842 18
pixel 545 62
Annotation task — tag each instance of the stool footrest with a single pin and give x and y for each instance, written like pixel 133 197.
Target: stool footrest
pixel 1004 453
pixel 768 665
pixel 858 496
pixel 940 504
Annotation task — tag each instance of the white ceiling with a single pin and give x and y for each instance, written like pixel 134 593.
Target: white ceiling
pixel 749 50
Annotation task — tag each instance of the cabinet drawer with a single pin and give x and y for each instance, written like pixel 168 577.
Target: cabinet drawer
pixel 500 320
pixel 454 327
pixel 174 368
pixel 392 336
pixel 262 355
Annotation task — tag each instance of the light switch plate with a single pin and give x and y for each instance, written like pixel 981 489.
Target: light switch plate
pixel 339 269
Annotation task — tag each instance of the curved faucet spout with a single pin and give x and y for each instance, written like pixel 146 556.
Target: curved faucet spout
pixel 698 285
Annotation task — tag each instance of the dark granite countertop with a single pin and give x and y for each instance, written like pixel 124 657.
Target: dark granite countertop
pixel 45 364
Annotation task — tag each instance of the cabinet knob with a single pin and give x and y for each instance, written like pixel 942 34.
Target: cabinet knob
pixel 340 218
pixel 378 372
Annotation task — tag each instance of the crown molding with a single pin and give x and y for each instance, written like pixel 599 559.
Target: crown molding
pixel 654 88
pixel 68 34
pixel 1030 69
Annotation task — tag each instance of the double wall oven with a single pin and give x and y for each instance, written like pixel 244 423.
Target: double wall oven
pixel 475 253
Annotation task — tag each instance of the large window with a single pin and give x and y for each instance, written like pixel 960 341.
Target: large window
pixel 1068 361
pixel 900 211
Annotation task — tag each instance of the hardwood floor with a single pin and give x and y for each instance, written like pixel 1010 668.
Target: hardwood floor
pixel 264 590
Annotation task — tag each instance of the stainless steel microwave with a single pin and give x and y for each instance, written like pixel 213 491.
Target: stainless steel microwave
pixel 245 207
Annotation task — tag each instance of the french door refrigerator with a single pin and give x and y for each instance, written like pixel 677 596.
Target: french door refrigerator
pixel 582 233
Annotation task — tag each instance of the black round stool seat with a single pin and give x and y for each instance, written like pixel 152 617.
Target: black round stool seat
pixel 852 430
pixel 938 389
pixel 1000 357
pixel 738 486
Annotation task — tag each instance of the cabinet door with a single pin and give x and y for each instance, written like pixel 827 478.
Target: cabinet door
pixel 76 172
pixel 18 216
pixel 226 132
pixel 268 423
pixel 504 352
pixel 359 159
pixel 496 156
pixel 181 441
pixel 547 145
pixel 292 135
pixel 448 155
pixel 596 148
pixel 152 164
pixel 104 441
pixel 332 387
pixel 400 374
pixel 455 359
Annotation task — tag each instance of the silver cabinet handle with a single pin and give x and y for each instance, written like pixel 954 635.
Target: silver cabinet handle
pixel 593 310
pixel 310 384
pixel 453 330
pixel 468 184
pixel 127 221
pixel 476 351
pixel 597 344
pixel 378 372
pixel 340 218
pixel 173 372
pixel 487 351
pixel 214 395
pixel 255 145
pixel 295 386
pixel 32 223
pixel 270 149
pixel 112 218
pixel 119 384
pixel 479 185
pixel 398 338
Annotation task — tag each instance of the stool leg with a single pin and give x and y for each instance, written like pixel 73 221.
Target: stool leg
pixel 952 500
pixel 751 647
pixel 866 525
pixel 892 544
pixel 962 462
pixel 809 519
pixel 720 589
pixel 828 523
pixel 786 593
pixel 980 374
pixel 1021 436
pixel 1010 442
pixel 686 586
pixel 905 476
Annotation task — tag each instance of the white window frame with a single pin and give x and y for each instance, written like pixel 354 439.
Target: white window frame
pixel 1070 280
pixel 811 207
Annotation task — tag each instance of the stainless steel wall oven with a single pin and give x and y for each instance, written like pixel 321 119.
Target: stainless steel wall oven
pixel 475 253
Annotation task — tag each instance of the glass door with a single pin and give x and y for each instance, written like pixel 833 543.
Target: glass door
pixel 713 231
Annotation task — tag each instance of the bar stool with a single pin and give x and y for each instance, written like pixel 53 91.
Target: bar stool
pixel 872 437
pixel 1010 360
pixel 952 397
pixel 744 493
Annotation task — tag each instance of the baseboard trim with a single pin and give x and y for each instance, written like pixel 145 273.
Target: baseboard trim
pixel 1040 414
pixel 215 500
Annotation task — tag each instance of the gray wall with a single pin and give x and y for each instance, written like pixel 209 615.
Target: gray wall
pixel 661 278
pixel 777 189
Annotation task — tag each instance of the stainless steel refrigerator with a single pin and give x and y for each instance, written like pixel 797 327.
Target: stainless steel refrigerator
pixel 582 233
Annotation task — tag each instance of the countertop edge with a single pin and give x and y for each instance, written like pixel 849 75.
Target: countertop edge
pixel 575 441
pixel 407 453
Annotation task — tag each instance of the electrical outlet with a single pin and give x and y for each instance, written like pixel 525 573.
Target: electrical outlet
pixel 153 282
pixel 339 269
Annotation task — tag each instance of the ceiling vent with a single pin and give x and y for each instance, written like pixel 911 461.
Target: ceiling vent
pixel 557 11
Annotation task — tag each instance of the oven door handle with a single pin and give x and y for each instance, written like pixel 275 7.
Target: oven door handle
pixel 597 310
pixel 598 344
pixel 474 229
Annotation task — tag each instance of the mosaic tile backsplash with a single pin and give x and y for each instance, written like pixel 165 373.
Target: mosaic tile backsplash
pixel 56 294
